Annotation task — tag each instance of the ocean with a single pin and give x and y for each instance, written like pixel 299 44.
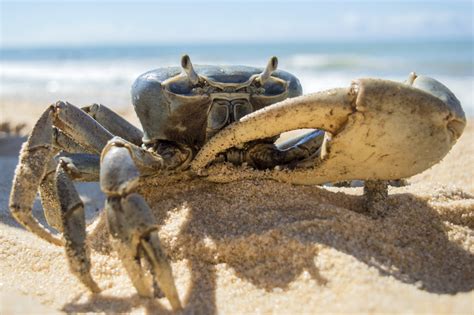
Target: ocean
pixel 104 74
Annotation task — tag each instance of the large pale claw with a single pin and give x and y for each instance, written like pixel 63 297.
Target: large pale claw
pixel 381 130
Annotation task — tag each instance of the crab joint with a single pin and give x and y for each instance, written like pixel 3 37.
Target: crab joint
pixel 118 173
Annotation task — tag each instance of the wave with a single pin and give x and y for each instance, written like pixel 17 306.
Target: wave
pixel 109 81
pixel 460 86
pixel 380 65
pixel 346 62
pixel 77 71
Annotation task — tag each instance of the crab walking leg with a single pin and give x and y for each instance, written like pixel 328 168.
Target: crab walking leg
pixel 126 247
pixel 63 142
pixel 376 194
pixel 131 224
pixel 294 151
pixel 34 156
pixel 80 167
pixel 309 146
pixel 300 139
pixel 161 268
pixel 114 123
pixel 49 198
pixel 74 227
pixel 84 167
pixel 38 150
pixel 82 128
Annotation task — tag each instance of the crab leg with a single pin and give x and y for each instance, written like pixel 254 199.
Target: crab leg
pixel 85 167
pixel 302 139
pixel 376 193
pixel 267 155
pixel 38 151
pixel 79 167
pixel 34 156
pixel 114 123
pixel 65 127
pixel 83 129
pixel 74 227
pixel 63 142
pixel 132 226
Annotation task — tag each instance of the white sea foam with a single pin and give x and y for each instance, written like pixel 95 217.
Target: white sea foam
pixel 70 70
pixel 462 87
pixel 109 81
pixel 344 62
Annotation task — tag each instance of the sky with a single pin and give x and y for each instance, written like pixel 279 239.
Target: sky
pixel 72 23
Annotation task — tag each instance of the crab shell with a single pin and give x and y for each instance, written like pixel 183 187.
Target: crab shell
pixel 169 108
pixel 381 130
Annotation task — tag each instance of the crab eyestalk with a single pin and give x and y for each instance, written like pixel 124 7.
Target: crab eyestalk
pixel 189 69
pixel 411 78
pixel 271 66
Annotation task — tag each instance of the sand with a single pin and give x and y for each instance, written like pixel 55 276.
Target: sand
pixel 267 247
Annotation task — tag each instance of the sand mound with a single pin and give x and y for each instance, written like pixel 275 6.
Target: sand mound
pixel 261 246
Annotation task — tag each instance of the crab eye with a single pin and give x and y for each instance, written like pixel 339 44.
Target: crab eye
pixel 181 87
pixel 274 88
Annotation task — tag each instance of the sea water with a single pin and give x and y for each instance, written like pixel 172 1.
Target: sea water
pixel 104 74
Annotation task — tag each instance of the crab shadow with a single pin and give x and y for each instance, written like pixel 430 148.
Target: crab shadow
pixel 270 233
pixel 114 305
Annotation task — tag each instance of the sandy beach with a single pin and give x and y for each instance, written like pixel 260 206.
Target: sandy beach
pixel 250 246
pixel 266 247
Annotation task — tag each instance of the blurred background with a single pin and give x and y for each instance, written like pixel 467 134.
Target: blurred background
pixel 91 51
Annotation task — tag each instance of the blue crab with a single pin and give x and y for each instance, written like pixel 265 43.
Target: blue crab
pixel 220 123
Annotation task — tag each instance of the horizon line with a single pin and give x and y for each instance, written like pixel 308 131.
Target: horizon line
pixel 195 43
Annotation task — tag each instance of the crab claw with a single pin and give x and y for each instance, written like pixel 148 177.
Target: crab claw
pixel 381 130
pixel 457 122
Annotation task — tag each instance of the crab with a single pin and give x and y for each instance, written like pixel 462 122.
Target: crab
pixel 221 123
